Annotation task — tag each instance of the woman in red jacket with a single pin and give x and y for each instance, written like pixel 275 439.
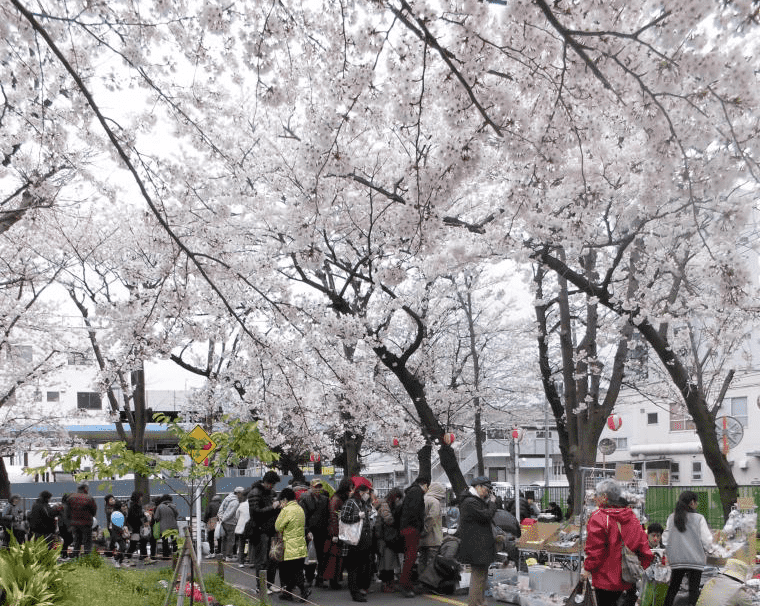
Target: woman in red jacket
pixel 604 543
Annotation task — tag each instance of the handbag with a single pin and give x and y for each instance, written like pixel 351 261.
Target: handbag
pixel 632 570
pixel 311 554
pixel 582 595
pixel 277 548
pixel 156 531
pixel 350 532
pixel 211 524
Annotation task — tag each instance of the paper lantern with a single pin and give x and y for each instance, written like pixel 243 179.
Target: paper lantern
pixel 517 434
pixel 394 442
pixel 315 457
pixel 448 438
pixel 614 422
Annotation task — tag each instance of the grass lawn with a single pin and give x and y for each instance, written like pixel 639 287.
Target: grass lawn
pixel 98 584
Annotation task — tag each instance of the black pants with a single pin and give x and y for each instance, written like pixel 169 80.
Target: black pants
pixel 606 598
pixel 676 577
pixel 291 576
pixel 358 564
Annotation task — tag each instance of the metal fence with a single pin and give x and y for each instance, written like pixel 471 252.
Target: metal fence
pixel 661 502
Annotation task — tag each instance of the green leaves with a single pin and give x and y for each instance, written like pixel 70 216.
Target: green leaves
pixel 30 575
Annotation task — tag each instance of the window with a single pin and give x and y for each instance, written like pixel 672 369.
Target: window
pixel 558 469
pixel 77 358
pixel 652 418
pixel 621 443
pixel 88 400
pixel 674 472
pixel 696 471
pixel 54 396
pixel 540 433
pixel 680 419
pixel 738 410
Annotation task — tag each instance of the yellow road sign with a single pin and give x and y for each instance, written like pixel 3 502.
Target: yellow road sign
pixel 199 456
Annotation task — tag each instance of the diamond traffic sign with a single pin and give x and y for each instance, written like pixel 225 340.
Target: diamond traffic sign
pixel 199 456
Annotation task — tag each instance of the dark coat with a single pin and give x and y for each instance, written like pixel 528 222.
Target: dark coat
pixel 135 517
pixel 317 513
pixel 477 545
pixel 413 508
pixel 350 515
pixel 42 518
pixel 212 508
pixel 263 514
pixel 82 508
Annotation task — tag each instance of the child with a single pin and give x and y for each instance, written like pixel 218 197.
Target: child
pixel 118 539
pixel 654 534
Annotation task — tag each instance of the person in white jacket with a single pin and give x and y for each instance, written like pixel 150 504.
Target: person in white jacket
pixel 687 539
pixel 243 514
pixel 227 519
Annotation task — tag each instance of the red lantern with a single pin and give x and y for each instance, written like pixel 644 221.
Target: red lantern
pixel 315 457
pixel 614 422
pixel 448 438
pixel 517 434
pixel 394 442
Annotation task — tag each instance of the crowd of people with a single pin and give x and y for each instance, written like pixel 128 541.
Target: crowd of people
pixel 132 528
pixel 314 538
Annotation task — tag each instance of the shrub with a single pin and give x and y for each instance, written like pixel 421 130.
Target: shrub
pixel 30 575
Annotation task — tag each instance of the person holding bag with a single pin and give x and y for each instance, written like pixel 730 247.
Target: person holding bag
pixel 686 538
pixel 291 524
pixel 334 549
pixel 358 512
pixel 609 526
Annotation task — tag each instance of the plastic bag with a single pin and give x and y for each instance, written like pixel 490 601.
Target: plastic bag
pixel 582 595
pixel 311 554
pixel 350 533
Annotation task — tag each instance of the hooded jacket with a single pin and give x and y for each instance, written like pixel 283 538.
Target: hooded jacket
pixel 291 522
pixel 432 532
pixel 604 546
pixel 413 508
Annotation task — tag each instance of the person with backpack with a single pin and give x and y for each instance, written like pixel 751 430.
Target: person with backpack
pixel 687 539
pixel 609 526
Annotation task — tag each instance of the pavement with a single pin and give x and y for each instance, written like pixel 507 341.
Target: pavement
pixel 244 579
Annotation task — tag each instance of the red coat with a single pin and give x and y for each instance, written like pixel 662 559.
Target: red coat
pixel 603 546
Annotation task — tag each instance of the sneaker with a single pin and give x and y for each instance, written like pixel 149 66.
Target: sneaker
pixel 116 565
pixel 241 565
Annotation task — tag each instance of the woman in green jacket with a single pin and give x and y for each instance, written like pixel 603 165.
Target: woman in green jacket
pixel 291 524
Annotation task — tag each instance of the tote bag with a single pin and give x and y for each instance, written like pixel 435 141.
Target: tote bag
pixel 350 533
pixel 582 595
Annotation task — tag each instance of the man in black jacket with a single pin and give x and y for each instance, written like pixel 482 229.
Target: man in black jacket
pixel 412 523
pixel 315 506
pixel 264 510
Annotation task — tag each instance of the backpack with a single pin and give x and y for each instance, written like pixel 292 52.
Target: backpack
pixel 447 568
pixel 632 569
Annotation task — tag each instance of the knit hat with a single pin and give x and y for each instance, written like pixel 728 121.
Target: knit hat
pixel 238 489
pixel 736 569
pixel 316 482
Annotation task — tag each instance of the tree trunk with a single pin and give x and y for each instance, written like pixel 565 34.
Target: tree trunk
pixel 425 460
pixel 5 483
